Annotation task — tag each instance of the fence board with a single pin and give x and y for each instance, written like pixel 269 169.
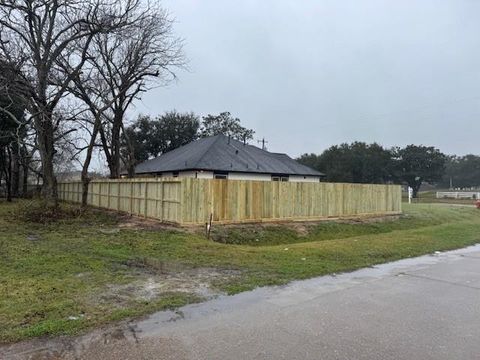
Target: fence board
pixel 191 201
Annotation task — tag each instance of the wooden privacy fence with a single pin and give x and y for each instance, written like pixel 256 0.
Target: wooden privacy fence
pixel 191 201
pixel 147 197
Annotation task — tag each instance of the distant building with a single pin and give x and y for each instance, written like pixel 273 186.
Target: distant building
pixel 221 157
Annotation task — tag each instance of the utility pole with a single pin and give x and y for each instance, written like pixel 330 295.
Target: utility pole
pixel 263 142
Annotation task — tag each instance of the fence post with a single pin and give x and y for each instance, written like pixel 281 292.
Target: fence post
pixel 131 198
pixel 156 198
pixel 90 193
pixel 162 188
pixel 119 183
pixel 146 198
pixel 108 197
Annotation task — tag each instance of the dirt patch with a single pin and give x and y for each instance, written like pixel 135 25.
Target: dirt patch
pixel 264 234
pixel 152 283
pixel 369 220
pixel 133 222
pixel 302 228
pixel 126 221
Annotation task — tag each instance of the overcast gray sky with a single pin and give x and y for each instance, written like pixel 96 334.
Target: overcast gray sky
pixel 310 74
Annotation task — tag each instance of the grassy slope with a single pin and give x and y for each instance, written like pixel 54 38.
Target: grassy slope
pixel 40 282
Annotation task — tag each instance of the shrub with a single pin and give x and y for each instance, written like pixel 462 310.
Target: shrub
pixel 39 211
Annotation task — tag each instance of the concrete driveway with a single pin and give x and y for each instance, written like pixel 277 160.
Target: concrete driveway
pixel 422 308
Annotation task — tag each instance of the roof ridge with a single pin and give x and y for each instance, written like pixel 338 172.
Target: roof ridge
pixel 218 136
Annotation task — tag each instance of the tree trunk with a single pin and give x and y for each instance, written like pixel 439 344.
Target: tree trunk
pixel 25 180
pixel 106 149
pixel 8 173
pixel 112 151
pixel 131 169
pixel 130 158
pixel 88 159
pixel 116 146
pixel 49 188
pixel 24 156
pixel 15 169
pixel 85 182
pixel 45 139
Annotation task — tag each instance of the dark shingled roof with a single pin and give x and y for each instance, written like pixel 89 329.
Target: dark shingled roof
pixel 220 153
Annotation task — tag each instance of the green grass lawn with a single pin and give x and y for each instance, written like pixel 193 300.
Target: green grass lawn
pixel 77 272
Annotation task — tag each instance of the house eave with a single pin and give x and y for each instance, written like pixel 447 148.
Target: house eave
pixel 231 171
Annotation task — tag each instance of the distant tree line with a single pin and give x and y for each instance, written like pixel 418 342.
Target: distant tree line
pixel 461 172
pixel 360 162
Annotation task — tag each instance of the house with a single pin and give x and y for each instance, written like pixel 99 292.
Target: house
pixel 222 157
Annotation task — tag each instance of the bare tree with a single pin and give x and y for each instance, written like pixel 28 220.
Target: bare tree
pixel 16 131
pixel 12 127
pixel 89 124
pixel 122 65
pixel 38 34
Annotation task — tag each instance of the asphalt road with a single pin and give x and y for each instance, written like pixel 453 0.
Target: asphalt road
pixel 422 308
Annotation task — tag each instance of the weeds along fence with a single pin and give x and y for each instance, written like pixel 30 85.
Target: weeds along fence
pixel 189 201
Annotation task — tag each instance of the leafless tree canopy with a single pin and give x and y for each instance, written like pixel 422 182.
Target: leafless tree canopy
pixel 102 51
pixel 121 65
